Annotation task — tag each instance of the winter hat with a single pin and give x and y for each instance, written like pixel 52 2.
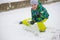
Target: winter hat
pixel 34 2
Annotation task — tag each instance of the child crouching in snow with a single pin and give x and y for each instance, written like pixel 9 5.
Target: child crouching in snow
pixel 39 15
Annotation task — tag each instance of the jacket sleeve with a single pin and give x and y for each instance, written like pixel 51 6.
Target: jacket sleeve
pixel 45 13
pixel 33 15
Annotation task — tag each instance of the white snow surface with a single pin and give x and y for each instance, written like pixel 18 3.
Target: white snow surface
pixel 10 29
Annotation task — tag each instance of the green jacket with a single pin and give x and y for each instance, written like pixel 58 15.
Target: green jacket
pixel 40 13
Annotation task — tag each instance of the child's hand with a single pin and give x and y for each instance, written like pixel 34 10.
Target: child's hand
pixel 32 22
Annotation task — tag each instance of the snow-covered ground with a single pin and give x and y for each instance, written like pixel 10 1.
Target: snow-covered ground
pixel 10 29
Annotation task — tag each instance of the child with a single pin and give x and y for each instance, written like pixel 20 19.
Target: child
pixel 39 15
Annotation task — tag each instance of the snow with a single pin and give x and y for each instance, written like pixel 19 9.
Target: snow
pixel 10 29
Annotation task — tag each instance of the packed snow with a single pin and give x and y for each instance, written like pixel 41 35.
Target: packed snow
pixel 10 29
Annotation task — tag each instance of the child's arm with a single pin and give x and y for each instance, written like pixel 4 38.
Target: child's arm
pixel 33 15
pixel 43 10
pixel 33 18
pixel 45 13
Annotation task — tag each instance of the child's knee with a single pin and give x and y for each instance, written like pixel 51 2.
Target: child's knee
pixel 41 26
pixel 42 29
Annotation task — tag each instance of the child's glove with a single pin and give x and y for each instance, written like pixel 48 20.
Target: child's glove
pixel 32 22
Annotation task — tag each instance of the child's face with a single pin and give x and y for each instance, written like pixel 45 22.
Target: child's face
pixel 34 6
